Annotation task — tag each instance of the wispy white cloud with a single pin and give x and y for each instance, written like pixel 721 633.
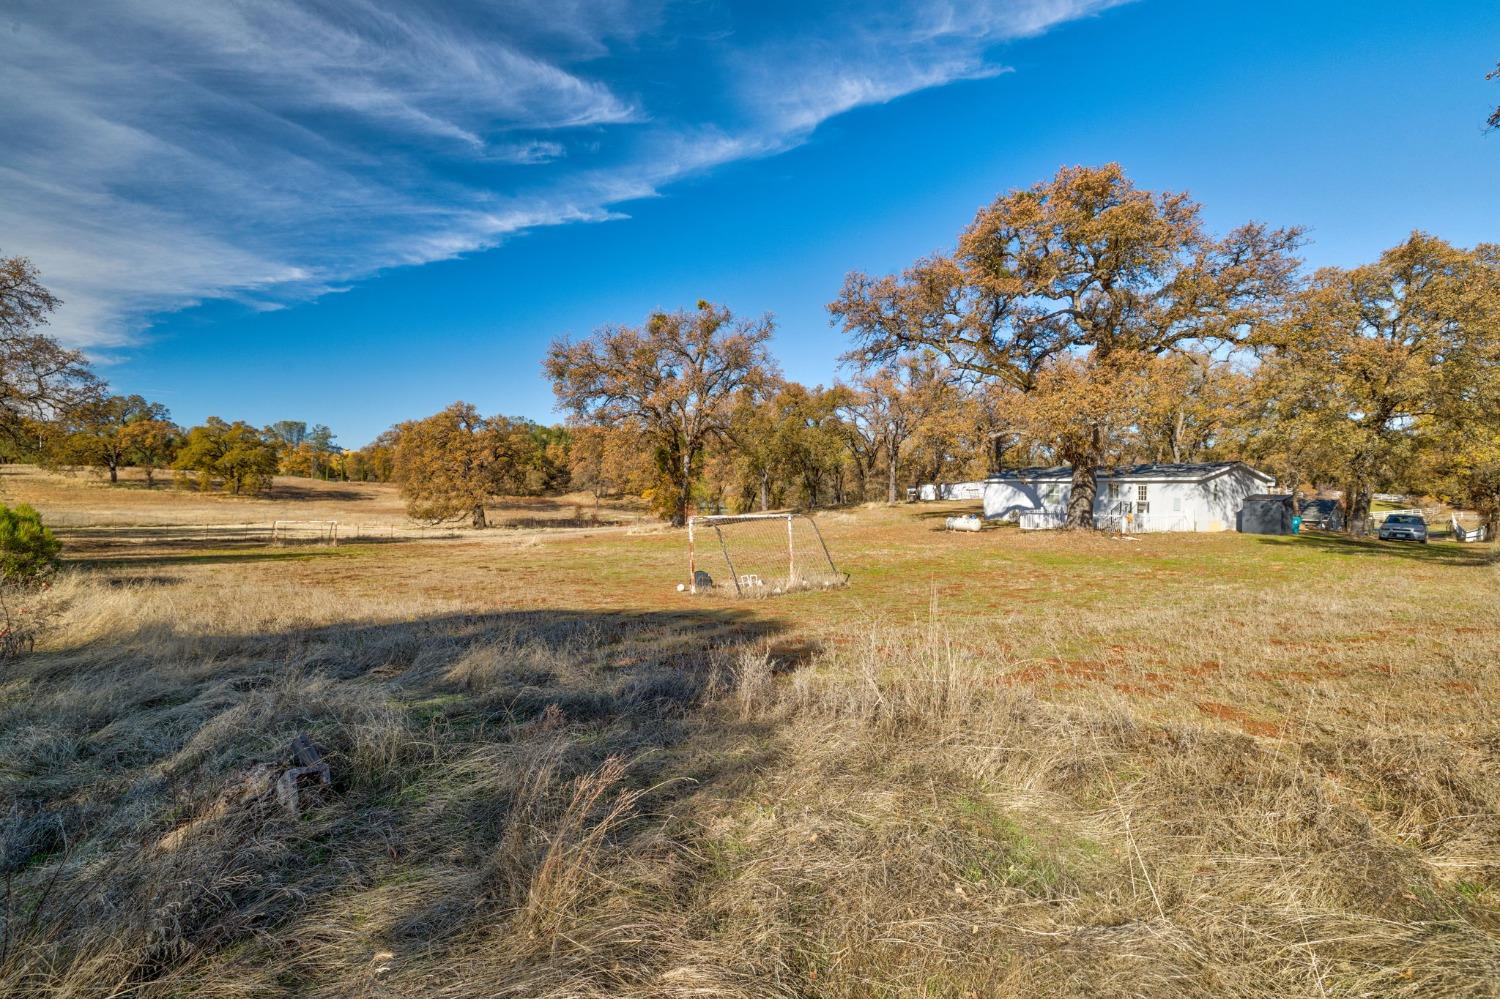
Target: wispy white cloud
pixel 163 152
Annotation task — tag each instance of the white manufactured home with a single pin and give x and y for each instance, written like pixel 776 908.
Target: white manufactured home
pixel 1157 497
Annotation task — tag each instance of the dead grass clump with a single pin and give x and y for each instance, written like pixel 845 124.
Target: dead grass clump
pixel 479 791
pixel 935 829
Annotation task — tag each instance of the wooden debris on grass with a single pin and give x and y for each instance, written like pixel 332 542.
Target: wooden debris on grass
pixel 293 787
pixel 309 777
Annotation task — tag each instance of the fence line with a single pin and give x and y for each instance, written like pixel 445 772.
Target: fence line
pixel 273 533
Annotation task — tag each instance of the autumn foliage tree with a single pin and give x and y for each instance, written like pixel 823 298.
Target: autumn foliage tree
pixel 1195 404
pixel 98 432
pixel 454 462
pixel 608 461
pixel 375 462
pixel 240 456
pixel 674 380
pixel 39 378
pixel 1373 362
pixel 151 442
pixel 1085 266
pixel 890 405
pixel 786 445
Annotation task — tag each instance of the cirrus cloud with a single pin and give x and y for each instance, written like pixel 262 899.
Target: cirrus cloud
pixel 164 152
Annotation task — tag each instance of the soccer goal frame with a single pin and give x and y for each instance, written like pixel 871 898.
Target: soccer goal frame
pixel 807 566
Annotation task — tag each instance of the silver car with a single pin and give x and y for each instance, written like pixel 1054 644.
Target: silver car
pixel 1404 527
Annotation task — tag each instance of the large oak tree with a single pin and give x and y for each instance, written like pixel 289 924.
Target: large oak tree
pixel 675 379
pixel 98 432
pixel 39 378
pixel 1084 266
pixel 239 455
pixel 1375 364
pixel 453 462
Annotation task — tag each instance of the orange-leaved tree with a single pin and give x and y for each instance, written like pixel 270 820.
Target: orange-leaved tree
pixel 39 378
pixel 674 380
pixel 151 443
pixel 98 432
pixel 608 461
pixel 1085 265
pixel 890 405
pixel 1375 365
pixel 453 462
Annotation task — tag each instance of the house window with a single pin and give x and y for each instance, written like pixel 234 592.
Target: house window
pixel 1176 504
pixel 1141 505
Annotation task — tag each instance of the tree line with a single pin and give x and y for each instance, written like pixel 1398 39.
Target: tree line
pixel 1080 321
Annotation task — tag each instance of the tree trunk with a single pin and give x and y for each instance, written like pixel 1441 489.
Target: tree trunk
pixel 1356 510
pixel 150 477
pixel 114 472
pixel 1492 524
pixel 892 474
pixel 1081 497
pixel 764 506
pixel 684 488
pixel 478 516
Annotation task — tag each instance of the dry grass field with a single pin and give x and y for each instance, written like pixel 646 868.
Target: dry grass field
pixel 996 764
pixel 85 498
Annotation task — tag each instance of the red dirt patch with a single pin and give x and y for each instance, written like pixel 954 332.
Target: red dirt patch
pixel 1083 669
pixel 1026 674
pixel 1224 712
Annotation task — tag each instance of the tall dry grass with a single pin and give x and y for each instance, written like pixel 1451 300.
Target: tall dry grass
pixel 598 804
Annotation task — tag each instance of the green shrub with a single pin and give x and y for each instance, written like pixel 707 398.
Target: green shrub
pixel 28 551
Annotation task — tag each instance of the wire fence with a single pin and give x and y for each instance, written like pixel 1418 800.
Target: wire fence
pixel 276 533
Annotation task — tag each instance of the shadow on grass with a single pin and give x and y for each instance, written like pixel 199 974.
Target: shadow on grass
pixel 456 742
pixel 290 492
pixel 1436 552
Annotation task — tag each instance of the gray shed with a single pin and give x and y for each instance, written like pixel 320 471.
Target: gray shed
pixel 1265 513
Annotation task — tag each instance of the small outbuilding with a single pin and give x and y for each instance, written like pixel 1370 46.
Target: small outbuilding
pixel 1267 513
pixel 1164 496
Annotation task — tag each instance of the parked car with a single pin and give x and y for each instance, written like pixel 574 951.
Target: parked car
pixel 1403 527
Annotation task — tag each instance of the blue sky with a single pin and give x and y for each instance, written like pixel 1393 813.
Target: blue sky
pixel 354 213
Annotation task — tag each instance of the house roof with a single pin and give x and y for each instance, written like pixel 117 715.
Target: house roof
pixel 1151 472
